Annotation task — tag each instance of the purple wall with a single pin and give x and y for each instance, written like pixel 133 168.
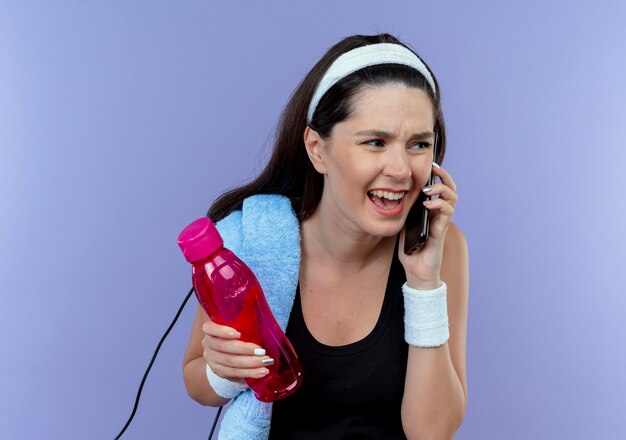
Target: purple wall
pixel 120 123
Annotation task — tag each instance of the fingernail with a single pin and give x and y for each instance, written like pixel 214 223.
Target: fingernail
pixel 268 361
pixel 436 165
pixel 234 334
pixel 427 188
pixel 263 371
pixel 259 352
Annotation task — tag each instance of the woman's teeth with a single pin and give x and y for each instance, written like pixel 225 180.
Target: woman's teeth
pixel 388 195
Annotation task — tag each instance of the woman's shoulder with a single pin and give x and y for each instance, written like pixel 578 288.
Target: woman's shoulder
pixel 455 239
pixel 455 259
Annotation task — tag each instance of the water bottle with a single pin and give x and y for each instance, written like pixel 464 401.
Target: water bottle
pixel 231 295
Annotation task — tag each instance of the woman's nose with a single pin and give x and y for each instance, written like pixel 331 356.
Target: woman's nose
pixel 397 164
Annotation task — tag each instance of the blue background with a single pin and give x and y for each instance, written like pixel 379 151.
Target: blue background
pixel 120 122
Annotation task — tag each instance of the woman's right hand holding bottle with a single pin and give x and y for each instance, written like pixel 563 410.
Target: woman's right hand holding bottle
pixel 231 358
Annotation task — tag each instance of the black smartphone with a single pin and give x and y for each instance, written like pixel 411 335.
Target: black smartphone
pixel 418 219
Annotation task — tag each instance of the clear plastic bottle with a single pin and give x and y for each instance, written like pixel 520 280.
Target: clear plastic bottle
pixel 231 295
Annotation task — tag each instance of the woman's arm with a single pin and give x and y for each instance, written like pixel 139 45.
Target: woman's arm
pixel 230 358
pixel 194 366
pixel 435 391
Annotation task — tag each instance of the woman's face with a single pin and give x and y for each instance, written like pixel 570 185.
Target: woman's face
pixel 383 151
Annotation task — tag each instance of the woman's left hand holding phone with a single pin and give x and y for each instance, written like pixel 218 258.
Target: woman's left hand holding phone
pixel 423 268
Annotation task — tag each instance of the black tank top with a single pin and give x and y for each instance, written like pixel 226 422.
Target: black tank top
pixel 352 391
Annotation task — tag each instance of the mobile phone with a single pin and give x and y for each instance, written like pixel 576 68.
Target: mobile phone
pixel 418 219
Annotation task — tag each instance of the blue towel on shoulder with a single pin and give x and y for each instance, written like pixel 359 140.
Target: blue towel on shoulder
pixel 265 235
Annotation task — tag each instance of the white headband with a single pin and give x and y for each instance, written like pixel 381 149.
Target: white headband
pixel 364 56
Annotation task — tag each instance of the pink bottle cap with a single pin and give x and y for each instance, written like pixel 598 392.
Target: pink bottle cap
pixel 199 240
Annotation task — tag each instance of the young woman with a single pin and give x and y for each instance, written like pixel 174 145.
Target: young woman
pixel 381 335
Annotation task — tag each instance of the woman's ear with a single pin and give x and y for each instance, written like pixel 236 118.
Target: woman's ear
pixel 315 147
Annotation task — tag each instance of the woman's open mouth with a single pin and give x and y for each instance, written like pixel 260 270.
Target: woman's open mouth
pixel 389 204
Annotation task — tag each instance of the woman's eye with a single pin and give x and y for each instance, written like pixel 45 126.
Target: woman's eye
pixel 379 141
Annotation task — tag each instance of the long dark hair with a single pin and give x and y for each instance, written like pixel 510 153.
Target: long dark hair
pixel 289 171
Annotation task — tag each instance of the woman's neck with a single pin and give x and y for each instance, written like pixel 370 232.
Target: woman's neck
pixel 328 242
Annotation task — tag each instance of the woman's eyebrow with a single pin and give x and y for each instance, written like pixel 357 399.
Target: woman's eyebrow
pixel 386 134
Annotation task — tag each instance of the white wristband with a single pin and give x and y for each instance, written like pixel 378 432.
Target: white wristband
pixel 224 387
pixel 425 316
